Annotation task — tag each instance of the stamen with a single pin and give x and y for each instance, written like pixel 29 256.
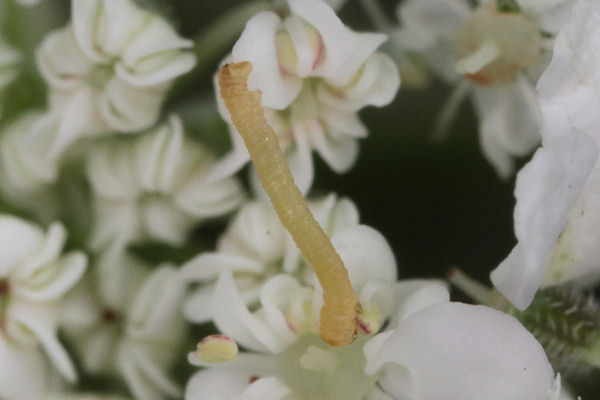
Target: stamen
pixel 478 60
pixel 216 349
pixel 475 290
pixel 338 315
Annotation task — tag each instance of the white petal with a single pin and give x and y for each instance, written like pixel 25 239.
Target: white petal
pixel 154 56
pixel 231 316
pixel 412 296
pixel 257 45
pixel 207 266
pixel 42 324
pixel 154 373
pixel 136 382
pixel 265 388
pixel 155 311
pixel 340 154
pixel 447 349
pixel 364 45
pixel 256 233
pixel 165 222
pixel 70 270
pixel 366 255
pixel 424 22
pixel 546 189
pixel 23 372
pixel 197 308
pixel 509 121
pixel 126 108
pixel 335 36
pixel 568 89
pixel 217 384
pixel 18 240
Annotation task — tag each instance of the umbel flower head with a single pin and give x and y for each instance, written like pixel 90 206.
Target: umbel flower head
pixel 155 186
pixel 314 74
pixel 256 247
pixel 410 361
pixel 557 220
pixel 495 52
pixel 112 65
pixel 33 278
pixel 123 321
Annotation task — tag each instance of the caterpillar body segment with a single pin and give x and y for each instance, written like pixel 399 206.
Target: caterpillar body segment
pixel 339 312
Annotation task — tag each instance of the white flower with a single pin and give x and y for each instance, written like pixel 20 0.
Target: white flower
pixel 436 350
pixel 124 320
pixel 83 396
pixel 256 247
pixel 32 150
pixel 557 216
pixel 9 58
pixel 155 186
pixel 314 74
pixel 113 65
pixel 499 53
pixel 33 278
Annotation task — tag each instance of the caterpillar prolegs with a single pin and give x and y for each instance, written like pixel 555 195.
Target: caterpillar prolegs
pixel 339 312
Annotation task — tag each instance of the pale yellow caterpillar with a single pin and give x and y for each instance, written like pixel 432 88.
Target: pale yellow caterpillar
pixel 339 313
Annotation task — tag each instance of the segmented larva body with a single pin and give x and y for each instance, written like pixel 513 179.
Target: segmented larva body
pixel 339 312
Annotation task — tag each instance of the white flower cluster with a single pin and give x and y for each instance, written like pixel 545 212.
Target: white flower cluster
pixel 314 74
pixel 495 51
pixel 116 161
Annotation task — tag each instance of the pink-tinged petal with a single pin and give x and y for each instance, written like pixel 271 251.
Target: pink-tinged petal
pixel 265 388
pixel 335 36
pixel 257 45
pixel 23 372
pixel 412 296
pixel 18 240
pixel 231 316
pixel 460 335
pixel 546 189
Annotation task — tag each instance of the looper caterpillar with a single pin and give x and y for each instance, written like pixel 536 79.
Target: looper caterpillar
pixel 339 312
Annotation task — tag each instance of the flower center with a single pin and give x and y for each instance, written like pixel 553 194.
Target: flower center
pixel 313 369
pixel 299 48
pixel 109 315
pixel 493 45
pixel 99 76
